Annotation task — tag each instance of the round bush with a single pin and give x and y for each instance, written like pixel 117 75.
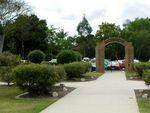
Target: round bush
pixel 66 56
pixel 36 56
pixel 146 76
pixel 37 79
pixel 76 69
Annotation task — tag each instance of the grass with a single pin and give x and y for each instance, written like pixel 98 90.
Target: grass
pixel 8 103
pixel 94 74
pixel 144 106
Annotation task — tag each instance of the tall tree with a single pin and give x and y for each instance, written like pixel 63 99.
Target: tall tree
pixel 138 32
pixel 27 33
pixel 85 40
pixel 9 10
pixel 84 29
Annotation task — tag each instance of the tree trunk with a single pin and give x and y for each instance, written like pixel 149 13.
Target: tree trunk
pixel 1 42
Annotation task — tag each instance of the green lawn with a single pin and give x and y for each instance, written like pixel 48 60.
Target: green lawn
pixel 8 103
pixel 144 106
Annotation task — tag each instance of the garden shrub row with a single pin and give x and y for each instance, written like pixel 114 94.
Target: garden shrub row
pixel 39 78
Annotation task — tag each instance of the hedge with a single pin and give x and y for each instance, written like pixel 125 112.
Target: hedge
pixel 76 69
pixel 37 78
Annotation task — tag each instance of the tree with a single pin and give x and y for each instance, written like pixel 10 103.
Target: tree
pixel 9 10
pixel 58 40
pixel 85 40
pixel 111 30
pixel 138 32
pixel 84 29
pixel 108 30
pixel 27 33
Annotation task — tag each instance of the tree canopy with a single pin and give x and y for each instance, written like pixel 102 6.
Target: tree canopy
pixel 84 28
pixel 27 33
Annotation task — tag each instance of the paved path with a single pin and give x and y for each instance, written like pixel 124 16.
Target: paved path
pixel 111 93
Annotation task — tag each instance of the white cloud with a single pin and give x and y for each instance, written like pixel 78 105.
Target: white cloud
pixel 68 13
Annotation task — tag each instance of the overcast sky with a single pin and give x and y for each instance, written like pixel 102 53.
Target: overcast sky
pixel 67 14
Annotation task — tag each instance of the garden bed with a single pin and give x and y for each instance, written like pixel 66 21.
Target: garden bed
pixel 55 89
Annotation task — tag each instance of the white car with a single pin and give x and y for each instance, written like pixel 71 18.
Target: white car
pixel 53 61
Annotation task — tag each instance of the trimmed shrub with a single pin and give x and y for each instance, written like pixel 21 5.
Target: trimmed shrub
pixel 146 76
pixel 36 78
pixel 140 67
pixel 7 62
pixel 66 56
pixel 76 69
pixel 36 56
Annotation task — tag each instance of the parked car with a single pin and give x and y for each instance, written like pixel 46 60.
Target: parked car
pixel 86 59
pixel 93 62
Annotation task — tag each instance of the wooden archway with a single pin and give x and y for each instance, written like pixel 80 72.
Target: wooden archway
pixel 100 53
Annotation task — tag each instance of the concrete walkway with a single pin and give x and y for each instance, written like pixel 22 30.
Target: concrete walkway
pixel 111 93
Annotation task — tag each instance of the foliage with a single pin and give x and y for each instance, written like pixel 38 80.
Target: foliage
pixel 108 30
pixel 27 33
pixel 59 69
pixel 9 10
pixel 138 32
pixel 9 59
pixel 36 56
pixel 84 29
pixel 86 45
pixel 78 56
pixel 146 76
pixel 7 62
pixel 76 69
pixel 36 78
pixel 85 41
pixel 66 56
pixel 58 40
pixel 140 67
